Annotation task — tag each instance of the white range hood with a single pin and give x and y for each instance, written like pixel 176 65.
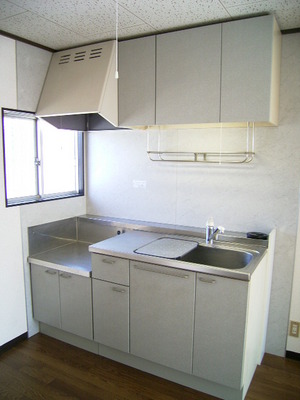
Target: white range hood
pixel 80 90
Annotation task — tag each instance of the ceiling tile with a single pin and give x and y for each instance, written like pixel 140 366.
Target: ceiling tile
pixel 69 23
pixel 287 12
pixel 124 33
pixel 8 9
pixel 85 17
pixel 175 13
pixel 45 32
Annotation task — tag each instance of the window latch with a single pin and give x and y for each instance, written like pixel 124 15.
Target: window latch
pixel 37 162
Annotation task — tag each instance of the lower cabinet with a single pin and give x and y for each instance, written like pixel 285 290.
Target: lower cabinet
pixel 76 304
pixel 111 301
pixel 204 325
pixel 111 314
pixel 220 321
pixel 45 295
pixel 62 300
pixel 162 315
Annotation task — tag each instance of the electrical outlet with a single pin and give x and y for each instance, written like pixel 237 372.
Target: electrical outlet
pixel 294 328
pixel 139 184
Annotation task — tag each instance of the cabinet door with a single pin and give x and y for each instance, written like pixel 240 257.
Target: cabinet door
pixel 220 318
pixel 188 76
pixel 247 70
pixel 111 314
pixel 76 304
pixel 137 82
pixel 45 295
pixel 162 314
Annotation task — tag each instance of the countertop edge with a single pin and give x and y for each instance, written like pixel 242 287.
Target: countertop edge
pixel 60 267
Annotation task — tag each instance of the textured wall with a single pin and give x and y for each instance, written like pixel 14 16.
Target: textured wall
pixel 258 196
pixel 12 293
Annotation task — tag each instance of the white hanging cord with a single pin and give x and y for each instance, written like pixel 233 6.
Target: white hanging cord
pixel 248 127
pixel 148 147
pixel 221 144
pixel 159 139
pixel 117 43
pixel 253 138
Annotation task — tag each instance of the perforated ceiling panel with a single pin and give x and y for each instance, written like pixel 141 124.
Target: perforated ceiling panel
pixel 62 24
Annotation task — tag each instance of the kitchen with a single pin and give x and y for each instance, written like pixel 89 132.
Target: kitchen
pixel 255 197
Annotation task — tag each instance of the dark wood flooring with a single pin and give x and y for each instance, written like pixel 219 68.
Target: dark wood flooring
pixel 46 369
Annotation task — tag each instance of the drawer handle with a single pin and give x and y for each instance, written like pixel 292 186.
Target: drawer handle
pixel 51 272
pixel 207 280
pixel 107 261
pixel 161 272
pixel 65 275
pixel 116 289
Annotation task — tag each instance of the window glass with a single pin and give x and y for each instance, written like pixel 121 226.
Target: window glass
pixel 20 169
pixel 41 162
pixel 59 159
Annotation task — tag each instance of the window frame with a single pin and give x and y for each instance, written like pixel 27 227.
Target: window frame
pixel 38 198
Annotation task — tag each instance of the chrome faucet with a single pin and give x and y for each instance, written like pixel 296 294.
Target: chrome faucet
pixel 211 232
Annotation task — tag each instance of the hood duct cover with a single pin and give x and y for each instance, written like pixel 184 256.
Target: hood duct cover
pixel 80 90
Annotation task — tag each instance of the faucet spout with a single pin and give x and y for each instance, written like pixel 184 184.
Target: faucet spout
pixel 214 235
pixel 211 232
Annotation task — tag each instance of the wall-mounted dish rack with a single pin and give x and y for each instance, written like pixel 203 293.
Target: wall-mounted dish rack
pixel 209 157
pixel 205 157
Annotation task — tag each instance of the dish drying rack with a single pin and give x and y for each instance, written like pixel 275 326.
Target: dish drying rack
pixel 208 157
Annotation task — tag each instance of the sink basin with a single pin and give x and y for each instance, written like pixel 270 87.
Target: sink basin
pixel 218 257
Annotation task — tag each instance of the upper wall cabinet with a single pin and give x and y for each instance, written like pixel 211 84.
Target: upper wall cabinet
pixel 137 82
pixel 250 70
pixel 223 73
pixel 188 76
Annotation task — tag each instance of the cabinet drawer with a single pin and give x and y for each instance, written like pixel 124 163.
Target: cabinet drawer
pixel 111 269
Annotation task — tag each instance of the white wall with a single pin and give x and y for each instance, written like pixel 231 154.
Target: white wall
pixel 293 344
pixel 254 197
pixel 32 65
pixel 12 297
pixel 22 72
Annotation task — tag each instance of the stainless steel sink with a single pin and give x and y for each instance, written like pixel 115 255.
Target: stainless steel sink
pixel 218 257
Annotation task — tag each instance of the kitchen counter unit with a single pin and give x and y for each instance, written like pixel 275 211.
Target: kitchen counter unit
pixel 125 246
pixel 149 298
pixel 71 258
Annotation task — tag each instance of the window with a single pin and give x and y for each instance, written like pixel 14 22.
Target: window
pixel 41 162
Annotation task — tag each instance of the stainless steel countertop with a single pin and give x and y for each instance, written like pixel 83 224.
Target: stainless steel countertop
pixel 73 258
pixel 124 246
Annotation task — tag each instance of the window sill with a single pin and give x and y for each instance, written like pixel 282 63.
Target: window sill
pixel 38 199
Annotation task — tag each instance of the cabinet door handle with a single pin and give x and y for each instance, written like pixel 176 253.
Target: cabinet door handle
pixel 175 274
pixel 119 290
pixel 51 272
pixel 107 261
pixel 207 280
pixel 65 275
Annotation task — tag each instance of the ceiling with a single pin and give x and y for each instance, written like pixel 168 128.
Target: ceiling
pixel 61 24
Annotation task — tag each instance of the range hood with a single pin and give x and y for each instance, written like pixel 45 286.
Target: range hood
pixel 80 90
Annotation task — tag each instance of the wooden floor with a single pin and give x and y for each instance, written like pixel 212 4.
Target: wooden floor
pixel 44 368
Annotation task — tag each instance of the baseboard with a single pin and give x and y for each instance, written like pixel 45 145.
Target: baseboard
pixel 292 355
pixel 13 342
